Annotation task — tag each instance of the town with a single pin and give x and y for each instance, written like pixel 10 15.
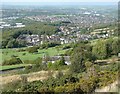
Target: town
pixel 65 36
pixel 59 48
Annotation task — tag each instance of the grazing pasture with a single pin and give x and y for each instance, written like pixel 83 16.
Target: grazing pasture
pixel 25 55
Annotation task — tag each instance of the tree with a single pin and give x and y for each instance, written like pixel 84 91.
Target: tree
pixel 4 43
pixel 100 49
pixel 115 47
pixel 77 63
pixel 34 28
pixel 11 44
pixel 79 56
pixel 62 61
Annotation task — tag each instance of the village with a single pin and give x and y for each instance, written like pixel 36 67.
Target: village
pixel 66 35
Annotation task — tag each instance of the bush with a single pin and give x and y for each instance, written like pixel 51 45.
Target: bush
pixel 32 49
pixel 28 67
pixel 24 54
pixel 14 56
pixel 28 61
pixel 59 74
pixel 49 44
pixel 57 65
pixel 66 47
pixel 12 86
pixel 13 61
pixel 88 85
pixel 21 50
pixel 37 65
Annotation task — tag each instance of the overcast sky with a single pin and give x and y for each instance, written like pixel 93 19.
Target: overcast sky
pixel 60 0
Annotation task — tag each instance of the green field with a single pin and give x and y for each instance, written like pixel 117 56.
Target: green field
pixel 12 66
pixel 7 53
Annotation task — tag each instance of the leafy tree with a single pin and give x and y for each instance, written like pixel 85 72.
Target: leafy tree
pixel 115 47
pixel 4 43
pixel 78 58
pixel 77 63
pixel 100 49
pixel 11 44
pixel 14 44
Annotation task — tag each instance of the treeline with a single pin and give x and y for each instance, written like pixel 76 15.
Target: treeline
pixel 106 48
pixel 101 49
pixel 83 55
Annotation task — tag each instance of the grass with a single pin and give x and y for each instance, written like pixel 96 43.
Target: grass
pixel 93 42
pixel 7 53
pixel 12 66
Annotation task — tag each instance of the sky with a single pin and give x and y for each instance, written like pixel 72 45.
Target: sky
pixel 60 1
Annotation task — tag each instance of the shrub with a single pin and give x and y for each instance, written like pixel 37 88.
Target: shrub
pixel 24 54
pixel 49 44
pixel 66 47
pixel 21 50
pixel 59 74
pixel 32 49
pixel 12 86
pixel 13 61
pixel 88 85
pixel 14 56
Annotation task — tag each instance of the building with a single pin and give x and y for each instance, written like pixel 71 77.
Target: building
pixel 53 59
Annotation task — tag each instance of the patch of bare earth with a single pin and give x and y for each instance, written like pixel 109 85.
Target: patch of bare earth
pixel 41 75
pixel 110 88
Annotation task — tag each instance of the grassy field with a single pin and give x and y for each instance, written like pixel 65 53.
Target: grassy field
pixel 12 66
pixel 93 42
pixel 24 55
